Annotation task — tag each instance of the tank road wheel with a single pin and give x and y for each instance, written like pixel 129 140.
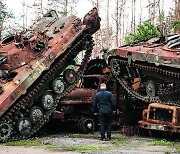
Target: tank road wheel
pixel 47 101
pixel 24 126
pixel 116 70
pixel 151 88
pixel 5 131
pixel 86 125
pixel 58 86
pixel 36 115
pixel 69 76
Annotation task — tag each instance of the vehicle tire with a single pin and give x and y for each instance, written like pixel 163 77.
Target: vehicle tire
pixel 58 86
pixel 47 101
pixel 86 125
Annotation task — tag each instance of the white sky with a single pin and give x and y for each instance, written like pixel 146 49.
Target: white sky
pixel 84 6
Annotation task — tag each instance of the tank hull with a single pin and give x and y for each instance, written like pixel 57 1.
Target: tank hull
pixel 31 64
pixel 149 71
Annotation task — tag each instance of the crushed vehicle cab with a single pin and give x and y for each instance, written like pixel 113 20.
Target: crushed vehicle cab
pixel 77 105
pixel 161 117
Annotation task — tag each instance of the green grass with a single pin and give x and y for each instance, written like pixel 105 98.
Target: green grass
pixel 26 143
pixel 117 143
pixel 120 137
pixel 92 135
pixel 76 148
pixel 53 147
pixel 161 143
pixel 175 145
pixel 96 135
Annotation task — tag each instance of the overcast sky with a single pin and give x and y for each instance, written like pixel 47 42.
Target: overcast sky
pixel 84 6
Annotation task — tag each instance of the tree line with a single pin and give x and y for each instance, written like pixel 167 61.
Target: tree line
pixel 123 21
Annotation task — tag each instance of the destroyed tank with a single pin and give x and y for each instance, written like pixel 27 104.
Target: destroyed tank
pixel 149 70
pixel 30 65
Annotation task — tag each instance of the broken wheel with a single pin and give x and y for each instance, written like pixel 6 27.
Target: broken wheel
pixel 86 125
pixel 69 76
pixel 47 101
pixel 24 126
pixel 58 86
pixel 5 131
pixel 36 115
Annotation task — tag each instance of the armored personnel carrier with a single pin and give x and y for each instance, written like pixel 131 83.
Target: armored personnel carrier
pixel 30 65
pixel 150 70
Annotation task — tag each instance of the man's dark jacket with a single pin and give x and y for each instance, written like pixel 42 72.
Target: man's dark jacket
pixel 105 102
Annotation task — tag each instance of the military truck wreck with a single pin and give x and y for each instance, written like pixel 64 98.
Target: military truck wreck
pixel 160 117
pixel 30 65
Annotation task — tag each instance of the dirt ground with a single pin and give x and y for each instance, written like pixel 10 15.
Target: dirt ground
pixel 90 144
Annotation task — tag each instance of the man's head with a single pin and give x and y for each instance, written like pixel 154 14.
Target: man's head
pixel 103 86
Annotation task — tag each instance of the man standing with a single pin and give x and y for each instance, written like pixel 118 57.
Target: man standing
pixel 105 103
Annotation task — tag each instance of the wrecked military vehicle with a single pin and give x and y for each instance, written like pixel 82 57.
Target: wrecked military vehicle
pixel 160 117
pixel 149 71
pixel 76 107
pixel 30 65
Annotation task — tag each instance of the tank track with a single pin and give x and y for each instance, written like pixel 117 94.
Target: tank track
pixel 26 101
pixel 145 98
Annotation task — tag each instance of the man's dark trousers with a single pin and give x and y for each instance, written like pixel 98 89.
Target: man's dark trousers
pixel 105 118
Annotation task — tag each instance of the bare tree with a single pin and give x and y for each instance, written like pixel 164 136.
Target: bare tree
pixel 133 16
pixel 98 35
pixel 152 10
pixel 140 15
pixel 119 21
pixel 63 7
pixel 177 9
pixel 107 25
pixel 4 15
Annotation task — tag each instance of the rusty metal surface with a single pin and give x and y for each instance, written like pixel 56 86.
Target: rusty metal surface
pixel 160 121
pixel 77 104
pixel 158 55
pixel 159 127
pixel 79 96
pixel 85 94
pixel 155 68
pixel 32 54
pixel 29 64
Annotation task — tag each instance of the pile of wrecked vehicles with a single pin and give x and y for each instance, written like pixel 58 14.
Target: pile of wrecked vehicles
pixel 30 65
pixel 144 79
pixel 36 82
pixel 76 107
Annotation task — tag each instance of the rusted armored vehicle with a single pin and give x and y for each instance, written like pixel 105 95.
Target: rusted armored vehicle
pixel 149 71
pixel 159 117
pixel 30 65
